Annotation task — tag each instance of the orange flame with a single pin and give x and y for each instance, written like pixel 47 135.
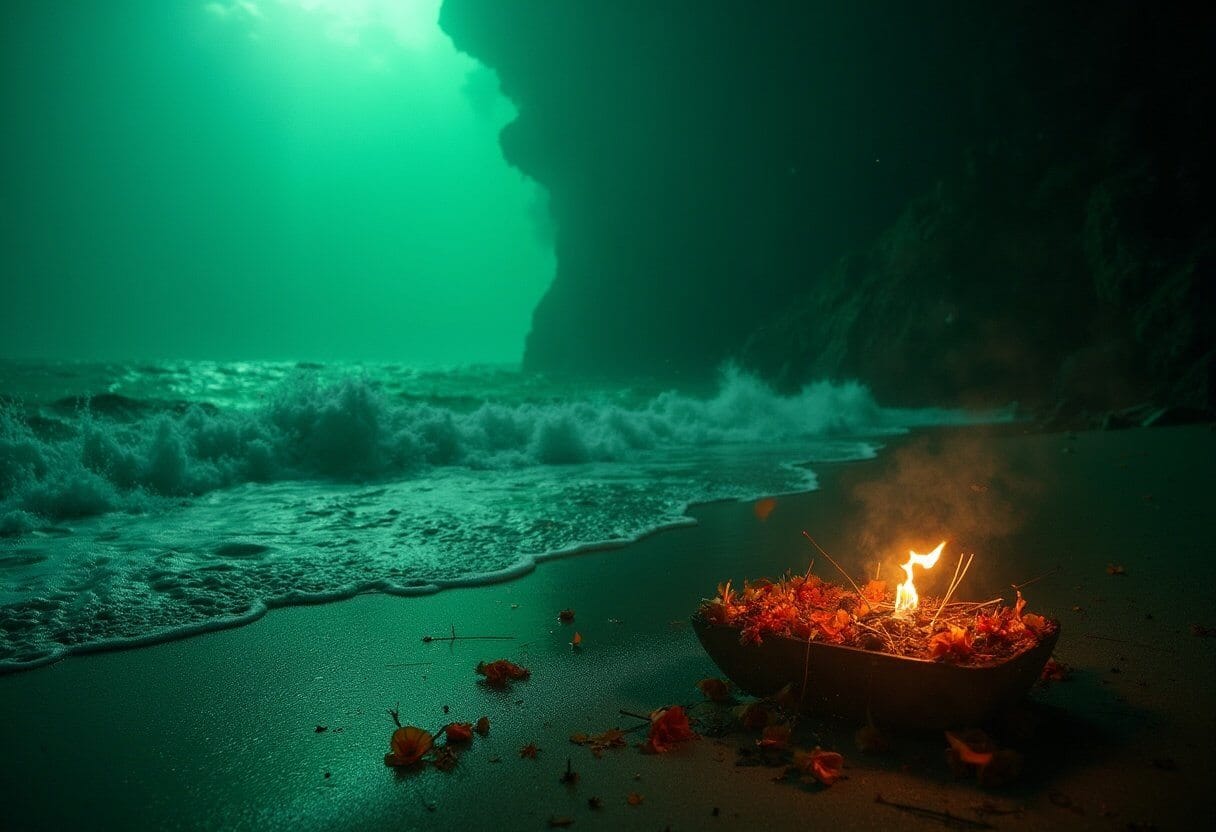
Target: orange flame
pixel 906 599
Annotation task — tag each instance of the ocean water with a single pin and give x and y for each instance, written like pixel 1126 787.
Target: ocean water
pixel 140 502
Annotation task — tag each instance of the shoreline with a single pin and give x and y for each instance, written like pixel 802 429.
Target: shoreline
pixel 218 730
pixel 509 573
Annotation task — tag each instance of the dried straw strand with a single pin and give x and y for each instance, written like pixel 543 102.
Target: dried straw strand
pixel 950 591
pixel 837 565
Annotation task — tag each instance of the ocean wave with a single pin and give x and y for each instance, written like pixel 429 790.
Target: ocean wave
pixel 88 456
pixel 126 520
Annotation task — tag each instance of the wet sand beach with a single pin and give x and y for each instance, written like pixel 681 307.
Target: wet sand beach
pixel 282 724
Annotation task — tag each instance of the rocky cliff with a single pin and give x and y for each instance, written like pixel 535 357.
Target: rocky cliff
pixel 954 203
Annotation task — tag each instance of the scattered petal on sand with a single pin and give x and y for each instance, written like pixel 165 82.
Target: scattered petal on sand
pixel 824 766
pixel 483 726
pixel 774 737
pixel 763 508
pixel 715 690
pixel 1006 765
pixel 445 759
pixel 529 751
pixel 668 726
pixel 787 698
pixel 755 715
pixel 407 746
pixel 498 673
pixel 973 748
pixel 634 799
pixel 459 732
pixel 870 740
pixel 612 738
pixel 1055 671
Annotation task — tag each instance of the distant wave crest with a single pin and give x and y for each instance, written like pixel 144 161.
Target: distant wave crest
pixel 124 455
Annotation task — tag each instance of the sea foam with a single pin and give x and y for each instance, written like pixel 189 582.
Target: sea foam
pixel 144 519
pixel 122 459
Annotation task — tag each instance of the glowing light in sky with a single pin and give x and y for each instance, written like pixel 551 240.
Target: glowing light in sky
pixel 411 23
pixel 261 179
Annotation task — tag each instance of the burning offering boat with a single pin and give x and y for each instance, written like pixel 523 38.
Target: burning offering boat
pixel 865 654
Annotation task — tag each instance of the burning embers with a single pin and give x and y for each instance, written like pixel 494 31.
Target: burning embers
pixel 806 607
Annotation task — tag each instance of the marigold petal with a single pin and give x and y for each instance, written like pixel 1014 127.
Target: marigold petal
pixel 974 748
pixel 715 690
pixel 458 732
pixel 668 726
pixel 824 766
pixel 407 746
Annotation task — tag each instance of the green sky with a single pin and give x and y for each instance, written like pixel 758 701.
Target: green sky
pixel 282 179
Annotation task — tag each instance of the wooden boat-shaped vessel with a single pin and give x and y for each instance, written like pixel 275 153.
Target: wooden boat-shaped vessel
pixel 908 694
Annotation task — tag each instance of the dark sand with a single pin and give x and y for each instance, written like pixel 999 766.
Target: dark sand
pixel 219 731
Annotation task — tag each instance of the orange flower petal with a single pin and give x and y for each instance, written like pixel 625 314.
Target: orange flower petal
pixel 754 715
pixel 824 766
pixel 668 726
pixel 408 745
pixel 953 643
pixel 1005 766
pixel 973 748
pixel 870 740
pixel 774 736
pixel 458 732
pixel 874 591
pixel 715 690
pixel 498 673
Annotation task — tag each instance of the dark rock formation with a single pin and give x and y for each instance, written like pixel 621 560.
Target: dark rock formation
pixel 954 202
pixel 1069 259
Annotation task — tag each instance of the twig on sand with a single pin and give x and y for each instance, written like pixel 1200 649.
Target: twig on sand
pixel 643 724
pixel 1154 647
pixel 454 637
pixel 834 563
pixel 944 818
pixel 1047 574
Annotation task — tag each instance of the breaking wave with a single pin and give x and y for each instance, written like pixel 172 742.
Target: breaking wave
pixel 127 519
pixel 118 454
